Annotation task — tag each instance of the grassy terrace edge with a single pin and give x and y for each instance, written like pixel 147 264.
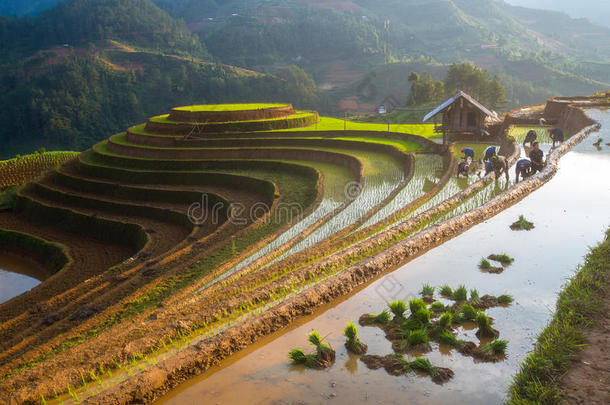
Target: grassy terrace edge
pixel 53 256
pixel 561 341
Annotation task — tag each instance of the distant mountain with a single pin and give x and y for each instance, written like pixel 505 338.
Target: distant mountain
pixel 88 68
pixel 595 10
pixel 83 69
pixel 74 22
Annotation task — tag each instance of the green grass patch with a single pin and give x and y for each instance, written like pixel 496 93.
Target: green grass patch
pixel 559 343
pixel 502 258
pixel 403 145
pixel 337 124
pixel 522 224
pixel 229 107
pixel 484 264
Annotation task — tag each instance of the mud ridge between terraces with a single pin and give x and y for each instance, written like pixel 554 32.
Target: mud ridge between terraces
pixel 95 320
pixel 158 379
pixel 146 329
pixel 132 279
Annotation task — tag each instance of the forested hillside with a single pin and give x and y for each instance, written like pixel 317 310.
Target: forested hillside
pixel 85 68
pixel 88 68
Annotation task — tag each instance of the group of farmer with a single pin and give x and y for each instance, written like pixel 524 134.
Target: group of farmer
pixel 498 164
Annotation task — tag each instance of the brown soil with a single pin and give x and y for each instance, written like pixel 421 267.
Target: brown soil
pixel 391 363
pixel 493 270
pixel 588 378
pixel 480 355
pixel 441 375
pixel 89 257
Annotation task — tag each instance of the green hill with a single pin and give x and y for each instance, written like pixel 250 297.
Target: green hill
pixel 65 84
pixel 86 67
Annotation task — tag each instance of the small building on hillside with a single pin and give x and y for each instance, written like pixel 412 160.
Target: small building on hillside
pixel 462 115
pixel 389 104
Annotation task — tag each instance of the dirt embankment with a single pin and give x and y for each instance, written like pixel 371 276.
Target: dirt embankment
pixel 197 358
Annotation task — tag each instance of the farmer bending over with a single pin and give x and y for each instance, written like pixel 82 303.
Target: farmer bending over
pixel 489 167
pixel 536 156
pixel 530 137
pixel 500 165
pixel 463 169
pixel 523 168
pixel 556 135
pixel 489 153
pixel 468 153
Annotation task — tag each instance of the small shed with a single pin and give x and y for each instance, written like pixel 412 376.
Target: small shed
pixel 462 114
pixel 389 104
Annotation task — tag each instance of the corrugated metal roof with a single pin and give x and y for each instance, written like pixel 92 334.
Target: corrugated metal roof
pixel 453 99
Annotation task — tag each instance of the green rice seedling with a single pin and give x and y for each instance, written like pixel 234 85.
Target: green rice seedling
pixel 383 317
pixel 422 364
pixel 522 224
pixel 44 402
pixel 417 337
pixel 474 297
pixel 446 291
pixel 423 315
pixel 315 339
pixel 449 339
pixel 353 344
pixel 485 329
pixel 468 312
pixel 445 320
pixel 398 308
pixel 460 294
pixel 297 356
pixel 437 306
pixel 505 299
pixel 484 264
pixel 502 258
pixel 427 290
pixel 350 331
pixel 416 304
pixel 496 347
pixel 411 324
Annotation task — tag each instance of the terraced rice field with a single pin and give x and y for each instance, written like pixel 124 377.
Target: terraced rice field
pixel 191 236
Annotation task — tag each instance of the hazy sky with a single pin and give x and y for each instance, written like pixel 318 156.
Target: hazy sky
pixel 595 10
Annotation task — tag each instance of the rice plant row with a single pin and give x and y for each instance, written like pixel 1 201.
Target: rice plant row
pixel 22 169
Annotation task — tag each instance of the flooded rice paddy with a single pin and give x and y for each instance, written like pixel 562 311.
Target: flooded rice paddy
pixel 16 276
pixel 570 213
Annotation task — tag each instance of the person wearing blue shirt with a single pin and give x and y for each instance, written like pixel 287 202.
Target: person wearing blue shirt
pixel 489 153
pixel 523 168
pixel 468 153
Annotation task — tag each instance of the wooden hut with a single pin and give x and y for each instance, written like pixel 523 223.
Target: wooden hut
pixel 462 114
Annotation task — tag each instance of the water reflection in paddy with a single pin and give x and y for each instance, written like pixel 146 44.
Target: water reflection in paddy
pixel 570 214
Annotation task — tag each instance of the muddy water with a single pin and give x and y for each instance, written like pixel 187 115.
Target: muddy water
pixel 16 276
pixel 570 214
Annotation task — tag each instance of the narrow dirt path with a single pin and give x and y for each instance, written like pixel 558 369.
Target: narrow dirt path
pixel 588 380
